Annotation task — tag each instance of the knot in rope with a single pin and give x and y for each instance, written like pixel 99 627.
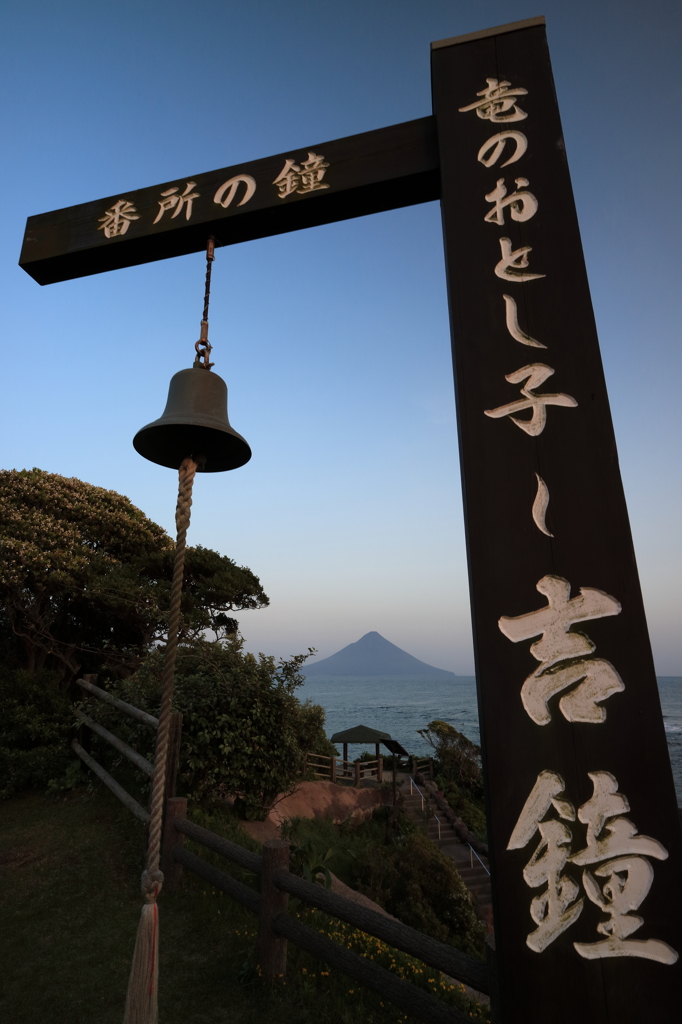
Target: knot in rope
pixel 150 884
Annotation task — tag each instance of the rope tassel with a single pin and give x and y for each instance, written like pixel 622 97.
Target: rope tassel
pixel 141 1001
pixel 142 998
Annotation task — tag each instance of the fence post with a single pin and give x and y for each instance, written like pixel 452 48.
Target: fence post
pixel 272 948
pixel 357 774
pixel 380 770
pixel 333 768
pixel 173 761
pixel 414 768
pixel 176 807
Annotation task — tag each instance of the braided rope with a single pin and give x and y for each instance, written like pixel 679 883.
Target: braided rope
pixel 152 877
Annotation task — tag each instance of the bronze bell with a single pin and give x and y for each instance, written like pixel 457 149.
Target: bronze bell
pixel 194 424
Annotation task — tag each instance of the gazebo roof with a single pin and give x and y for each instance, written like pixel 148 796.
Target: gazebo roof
pixel 360 734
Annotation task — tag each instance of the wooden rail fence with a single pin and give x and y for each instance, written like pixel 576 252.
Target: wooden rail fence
pixel 276 926
pixel 335 769
pixel 81 746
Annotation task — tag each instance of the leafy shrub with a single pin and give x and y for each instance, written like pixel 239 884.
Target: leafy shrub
pixel 36 726
pixel 401 870
pixel 458 773
pixel 418 884
pixel 244 731
pixel 310 860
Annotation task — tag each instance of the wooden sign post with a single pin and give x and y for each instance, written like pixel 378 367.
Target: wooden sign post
pixel 585 840
pixel 583 823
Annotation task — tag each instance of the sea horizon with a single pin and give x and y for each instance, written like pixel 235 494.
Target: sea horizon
pixel 401 705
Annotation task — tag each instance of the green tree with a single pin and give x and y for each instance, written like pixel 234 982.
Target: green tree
pixel 458 769
pixel 85 578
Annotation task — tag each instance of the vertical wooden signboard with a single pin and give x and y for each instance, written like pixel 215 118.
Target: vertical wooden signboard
pixel 584 829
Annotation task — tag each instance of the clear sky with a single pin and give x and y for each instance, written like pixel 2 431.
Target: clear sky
pixel 334 341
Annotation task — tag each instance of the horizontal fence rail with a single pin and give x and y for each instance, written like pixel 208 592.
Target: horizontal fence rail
pixel 108 780
pixel 422 947
pixel 337 770
pixel 89 726
pixel 402 993
pixel 127 709
pixel 229 885
pixel 138 760
pixel 408 997
pixel 225 847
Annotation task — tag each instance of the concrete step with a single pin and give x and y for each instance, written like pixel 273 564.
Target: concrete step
pixel 472 872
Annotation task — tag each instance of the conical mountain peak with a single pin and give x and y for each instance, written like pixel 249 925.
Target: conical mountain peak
pixel 373 655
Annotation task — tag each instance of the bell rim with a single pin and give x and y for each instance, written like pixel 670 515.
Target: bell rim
pixel 216 462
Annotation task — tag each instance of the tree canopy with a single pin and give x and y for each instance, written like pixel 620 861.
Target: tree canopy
pixel 85 577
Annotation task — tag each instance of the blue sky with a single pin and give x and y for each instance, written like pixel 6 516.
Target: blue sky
pixel 334 341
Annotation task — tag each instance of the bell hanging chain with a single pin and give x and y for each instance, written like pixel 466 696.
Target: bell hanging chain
pixel 203 347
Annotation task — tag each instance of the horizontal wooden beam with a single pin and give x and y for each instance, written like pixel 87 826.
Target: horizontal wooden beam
pixel 137 759
pixel 430 951
pixel 225 847
pixel 351 177
pixel 122 705
pixel 111 782
pixel 408 997
pixel 247 897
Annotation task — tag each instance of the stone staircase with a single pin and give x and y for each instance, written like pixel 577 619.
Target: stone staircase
pixel 473 871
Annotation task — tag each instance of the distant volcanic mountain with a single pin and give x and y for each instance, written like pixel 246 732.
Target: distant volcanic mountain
pixel 372 655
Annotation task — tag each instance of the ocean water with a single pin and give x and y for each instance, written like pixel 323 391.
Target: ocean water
pixel 401 705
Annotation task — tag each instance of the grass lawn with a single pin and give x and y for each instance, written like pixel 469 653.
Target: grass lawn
pixel 70 904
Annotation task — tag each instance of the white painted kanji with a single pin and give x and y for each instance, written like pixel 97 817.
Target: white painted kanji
pixel 116 220
pixel 627 872
pixel 304 177
pixel 535 374
pixel 498 102
pixel 173 199
pixel 522 204
pixel 491 151
pixel 563 653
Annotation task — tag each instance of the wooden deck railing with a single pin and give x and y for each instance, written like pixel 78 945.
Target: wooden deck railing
pixel 276 926
pixel 81 746
pixel 335 769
